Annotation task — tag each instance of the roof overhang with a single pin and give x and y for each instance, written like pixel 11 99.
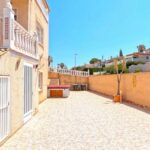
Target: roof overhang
pixel 46 5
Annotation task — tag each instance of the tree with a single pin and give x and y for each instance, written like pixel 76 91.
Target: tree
pixel 50 60
pixel 80 68
pixel 92 70
pixel 130 63
pixel 62 66
pixel 119 75
pixel 94 60
pixel 120 53
pixel 141 48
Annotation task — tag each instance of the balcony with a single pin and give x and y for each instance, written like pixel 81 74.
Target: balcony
pixel 1 32
pixel 23 42
pixel 15 37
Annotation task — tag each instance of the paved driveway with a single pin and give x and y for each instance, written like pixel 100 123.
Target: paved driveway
pixel 84 121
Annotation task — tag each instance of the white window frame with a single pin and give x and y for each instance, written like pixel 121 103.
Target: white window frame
pixel 9 105
pixel 26 116
pixel 40 33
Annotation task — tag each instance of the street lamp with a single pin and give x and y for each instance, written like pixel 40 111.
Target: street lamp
pixel 75 55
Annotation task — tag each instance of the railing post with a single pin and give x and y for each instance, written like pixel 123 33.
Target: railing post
pixel 88 72
pixel 8 25
pixel 16 37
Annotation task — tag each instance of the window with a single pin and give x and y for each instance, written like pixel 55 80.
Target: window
pixel 39 33
pixel 40 80
pixel 147 57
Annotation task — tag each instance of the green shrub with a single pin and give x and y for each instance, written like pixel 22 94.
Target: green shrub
pixel 111 70
pixel 129 63
pixel 91 70
pixel 138 70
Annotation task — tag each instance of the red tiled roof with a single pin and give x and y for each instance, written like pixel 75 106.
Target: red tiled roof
pixel 139 54
pixel 89 65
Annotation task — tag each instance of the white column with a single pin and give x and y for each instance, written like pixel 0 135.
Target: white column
pixel 8 25
pixel 88 72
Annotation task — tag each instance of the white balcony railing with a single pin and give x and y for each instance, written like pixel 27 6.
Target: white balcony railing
pixel 1 32
pixel 71 72
pixel 23 41
pixel 15 37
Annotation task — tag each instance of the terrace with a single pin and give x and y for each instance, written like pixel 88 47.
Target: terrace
pixel 84 121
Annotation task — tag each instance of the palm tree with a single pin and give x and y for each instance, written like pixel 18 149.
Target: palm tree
pixel 62 65
pixel 50 60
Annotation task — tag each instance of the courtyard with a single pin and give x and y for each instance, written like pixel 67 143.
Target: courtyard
pixel 84 121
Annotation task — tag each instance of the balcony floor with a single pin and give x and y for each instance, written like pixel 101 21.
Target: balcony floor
pixel 84 121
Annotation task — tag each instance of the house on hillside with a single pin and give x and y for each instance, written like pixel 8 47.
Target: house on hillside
pixel 136 57
pixel 96 64
pixel 23 61
pixel 143 55
pixel 140 57
pixel 110 62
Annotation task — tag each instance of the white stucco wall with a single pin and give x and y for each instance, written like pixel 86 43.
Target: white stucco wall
pixel 142 67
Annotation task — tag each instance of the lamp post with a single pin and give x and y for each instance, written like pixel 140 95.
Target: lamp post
pixel 75 55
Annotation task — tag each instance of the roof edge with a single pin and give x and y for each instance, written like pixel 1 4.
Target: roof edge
pixel 46 4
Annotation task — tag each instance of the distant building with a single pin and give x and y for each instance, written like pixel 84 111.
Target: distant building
pixel 142 55
pixel 139 56
pixel 111 61
pixel 108 63
pixel 97 64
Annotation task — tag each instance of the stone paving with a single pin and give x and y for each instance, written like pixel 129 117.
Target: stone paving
pixel 84 121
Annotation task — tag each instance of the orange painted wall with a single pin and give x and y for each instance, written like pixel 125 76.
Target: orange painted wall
pixel 135 87
pixel 105 84
pixel 67 79
pixel 22 11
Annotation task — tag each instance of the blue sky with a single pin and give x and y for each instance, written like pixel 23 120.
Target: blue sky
pixel 96 28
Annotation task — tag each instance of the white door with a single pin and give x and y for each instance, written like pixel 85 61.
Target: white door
pixel 4 106
pixel 27 92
